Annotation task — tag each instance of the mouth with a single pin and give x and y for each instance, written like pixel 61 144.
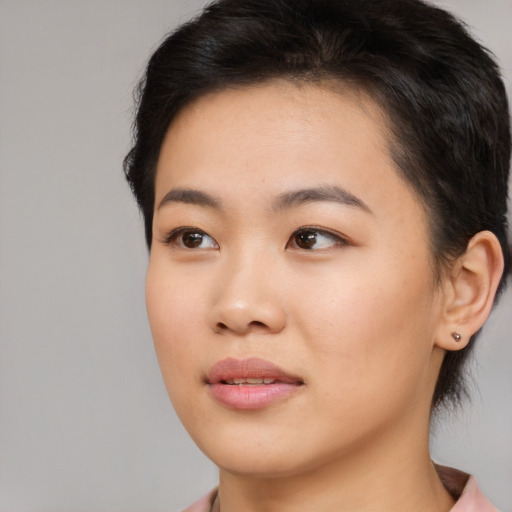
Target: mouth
pixel 250 384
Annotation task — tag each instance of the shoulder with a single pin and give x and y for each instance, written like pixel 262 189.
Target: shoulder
pixel 204 504
pixel 464 489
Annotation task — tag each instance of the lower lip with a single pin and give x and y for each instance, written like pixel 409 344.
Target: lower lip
pixel 250 397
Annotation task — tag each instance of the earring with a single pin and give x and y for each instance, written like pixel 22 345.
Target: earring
pixel 456 336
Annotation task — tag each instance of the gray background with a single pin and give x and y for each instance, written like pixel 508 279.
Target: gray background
pixel 85 423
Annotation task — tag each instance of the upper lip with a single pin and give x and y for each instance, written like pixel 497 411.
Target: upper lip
pixel 252 368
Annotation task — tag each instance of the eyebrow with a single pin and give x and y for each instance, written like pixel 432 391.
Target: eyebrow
pixel 325 193
pixel 287 200
pixel 190 196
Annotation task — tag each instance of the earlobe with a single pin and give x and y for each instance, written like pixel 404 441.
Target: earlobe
pixel 470 289
pixel 456 336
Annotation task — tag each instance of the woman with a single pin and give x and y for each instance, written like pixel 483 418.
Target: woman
pixel 324 189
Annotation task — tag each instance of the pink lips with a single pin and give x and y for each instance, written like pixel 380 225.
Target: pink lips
pixel 250 383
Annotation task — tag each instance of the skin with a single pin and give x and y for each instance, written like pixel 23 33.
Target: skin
pixel 359 317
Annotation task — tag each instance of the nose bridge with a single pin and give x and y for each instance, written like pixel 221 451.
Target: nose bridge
pixel 246 297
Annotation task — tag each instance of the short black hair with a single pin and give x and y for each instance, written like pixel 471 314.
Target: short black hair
pixel 441 90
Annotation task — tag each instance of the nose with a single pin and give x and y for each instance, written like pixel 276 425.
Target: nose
pixel 247 299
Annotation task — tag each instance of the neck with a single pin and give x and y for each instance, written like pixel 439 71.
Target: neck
pixel 389 474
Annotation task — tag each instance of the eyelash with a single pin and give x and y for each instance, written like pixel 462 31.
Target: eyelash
pixel 173 236
pixel 338 240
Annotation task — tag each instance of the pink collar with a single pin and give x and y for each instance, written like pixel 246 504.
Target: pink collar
pixel 464 489
pixel 461 486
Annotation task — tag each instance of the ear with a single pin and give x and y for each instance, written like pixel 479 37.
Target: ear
pixel 469 291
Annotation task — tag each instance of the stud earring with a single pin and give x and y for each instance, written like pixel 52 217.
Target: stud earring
pixel 456 336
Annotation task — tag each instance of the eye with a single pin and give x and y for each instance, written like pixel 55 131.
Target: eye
pixel 315 239
pixel 190 238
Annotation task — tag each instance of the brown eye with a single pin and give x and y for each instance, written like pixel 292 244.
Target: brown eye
pixel 192 240
pixel 305 239
pixel 314 239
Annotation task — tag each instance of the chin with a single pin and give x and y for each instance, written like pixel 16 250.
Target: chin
pixel 258 456
pixel 257 465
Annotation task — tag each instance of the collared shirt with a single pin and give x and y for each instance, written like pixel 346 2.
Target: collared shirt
pixel 464 489
pixel 461 486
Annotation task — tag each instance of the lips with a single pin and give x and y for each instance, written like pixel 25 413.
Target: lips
pixel 250 384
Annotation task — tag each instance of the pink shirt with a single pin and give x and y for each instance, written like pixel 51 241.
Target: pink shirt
pixel 461 485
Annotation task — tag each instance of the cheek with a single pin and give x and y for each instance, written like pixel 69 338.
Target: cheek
pixel 371 330
pixel 176 316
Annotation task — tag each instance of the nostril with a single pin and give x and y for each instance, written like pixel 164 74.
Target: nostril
pixel 223 327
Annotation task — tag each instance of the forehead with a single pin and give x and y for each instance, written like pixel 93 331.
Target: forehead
pixel 281 135
pixel 284 100
pixel 280 119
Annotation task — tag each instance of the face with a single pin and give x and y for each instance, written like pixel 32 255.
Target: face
pixel 290 289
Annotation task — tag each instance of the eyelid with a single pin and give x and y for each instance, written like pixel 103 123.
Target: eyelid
pixel 338 238
pixel 171 237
